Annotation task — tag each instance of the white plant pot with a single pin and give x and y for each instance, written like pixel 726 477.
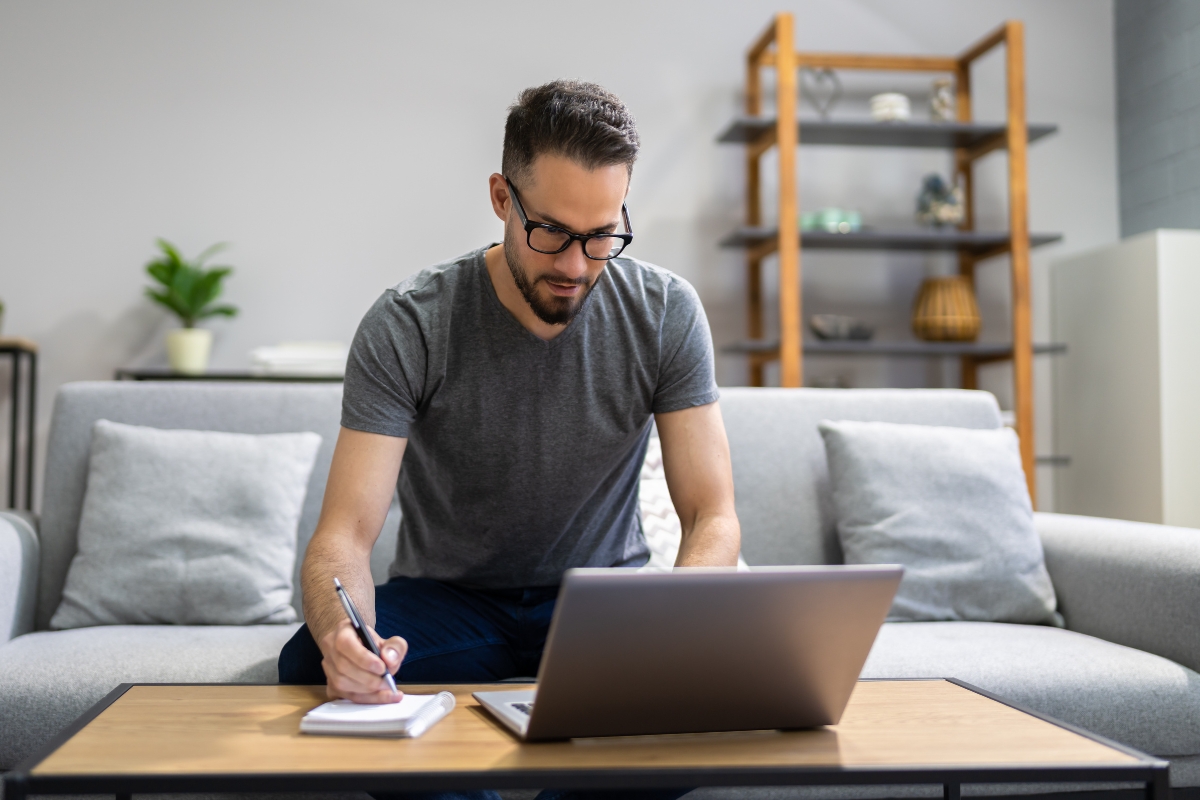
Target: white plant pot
pixel 188 350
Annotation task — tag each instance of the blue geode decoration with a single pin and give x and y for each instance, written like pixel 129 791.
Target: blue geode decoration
pixel 939 204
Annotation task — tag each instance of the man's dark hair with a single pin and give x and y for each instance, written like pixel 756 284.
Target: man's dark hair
pixel 581 121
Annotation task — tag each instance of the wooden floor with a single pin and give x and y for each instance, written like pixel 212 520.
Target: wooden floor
pixel 231 730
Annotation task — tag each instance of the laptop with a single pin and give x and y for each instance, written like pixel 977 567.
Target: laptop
pixel 635 653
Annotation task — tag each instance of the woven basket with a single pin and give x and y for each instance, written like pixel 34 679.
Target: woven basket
pixel 945 310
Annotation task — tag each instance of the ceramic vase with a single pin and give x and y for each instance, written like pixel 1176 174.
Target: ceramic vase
pixel 188 350
pixel 946 311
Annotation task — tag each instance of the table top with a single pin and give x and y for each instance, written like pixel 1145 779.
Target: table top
pixel 160 730
pixel 17 343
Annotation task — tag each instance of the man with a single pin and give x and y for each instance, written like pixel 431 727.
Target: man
pixel 516 384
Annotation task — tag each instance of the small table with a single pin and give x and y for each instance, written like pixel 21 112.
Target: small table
pixel 227 738
pixel 168 374
pixel 15 347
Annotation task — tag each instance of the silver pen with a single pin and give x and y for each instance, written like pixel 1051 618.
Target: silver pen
pixel 360 628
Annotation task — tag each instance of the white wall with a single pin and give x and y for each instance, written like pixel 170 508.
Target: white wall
pixel 340 146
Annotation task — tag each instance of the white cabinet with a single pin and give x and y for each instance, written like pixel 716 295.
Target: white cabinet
pixel 1127 391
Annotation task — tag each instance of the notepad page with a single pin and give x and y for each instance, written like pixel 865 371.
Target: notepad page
pixel 346 712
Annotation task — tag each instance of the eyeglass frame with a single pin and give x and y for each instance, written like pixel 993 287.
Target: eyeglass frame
pixel 582 238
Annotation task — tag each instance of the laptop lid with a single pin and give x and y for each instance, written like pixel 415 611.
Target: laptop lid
pixel 694 650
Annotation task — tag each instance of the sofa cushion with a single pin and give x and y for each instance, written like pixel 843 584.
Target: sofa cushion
pixel 48 679
pixel 780 477
pixel 187 527
pixel 234 407
pixel 1133 697
pixel 951 505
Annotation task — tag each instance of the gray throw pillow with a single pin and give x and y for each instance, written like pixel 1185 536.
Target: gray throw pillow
pixel 187 527
pixel 951 505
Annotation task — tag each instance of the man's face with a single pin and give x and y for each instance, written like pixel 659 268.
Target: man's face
pixel 559 192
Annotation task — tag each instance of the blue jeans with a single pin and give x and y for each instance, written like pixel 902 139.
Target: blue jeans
pixel 454 634
pixel 457 635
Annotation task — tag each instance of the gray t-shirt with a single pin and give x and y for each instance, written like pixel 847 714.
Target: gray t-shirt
pixel 523 455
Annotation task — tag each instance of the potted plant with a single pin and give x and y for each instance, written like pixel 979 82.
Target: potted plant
pixel 188 289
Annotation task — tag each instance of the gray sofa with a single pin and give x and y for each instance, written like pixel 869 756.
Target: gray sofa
pixel 1130 593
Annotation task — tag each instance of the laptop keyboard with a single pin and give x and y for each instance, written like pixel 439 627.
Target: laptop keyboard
pixel 524 708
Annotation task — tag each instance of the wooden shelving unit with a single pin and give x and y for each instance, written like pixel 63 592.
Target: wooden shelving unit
pixel 775 49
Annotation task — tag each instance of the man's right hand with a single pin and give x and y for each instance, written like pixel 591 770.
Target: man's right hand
pixel 353 672
pixel 362 480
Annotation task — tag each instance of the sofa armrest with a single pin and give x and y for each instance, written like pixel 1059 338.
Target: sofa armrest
pixel 19 555
pixel 1132 583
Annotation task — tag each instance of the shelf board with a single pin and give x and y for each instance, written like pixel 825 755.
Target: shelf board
pixel 976 136
pixel 983 350
pixel 168 374
pixel 977 242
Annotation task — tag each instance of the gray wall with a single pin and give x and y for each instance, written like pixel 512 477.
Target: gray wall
pixel 340 146
pixel 1158 113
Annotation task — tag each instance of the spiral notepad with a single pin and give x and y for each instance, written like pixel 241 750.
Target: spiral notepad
pixel 409 718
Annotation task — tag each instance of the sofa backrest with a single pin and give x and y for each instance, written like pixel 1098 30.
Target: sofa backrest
pixel 779 473
pixel 779 468
pixel 233 407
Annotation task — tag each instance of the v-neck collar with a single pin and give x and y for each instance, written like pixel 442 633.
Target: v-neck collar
pixel 515 324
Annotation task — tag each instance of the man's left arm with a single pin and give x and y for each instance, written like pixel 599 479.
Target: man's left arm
pixel 700 479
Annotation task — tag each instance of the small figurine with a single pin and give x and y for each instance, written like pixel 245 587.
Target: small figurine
pixel 943 106
pixel 939 204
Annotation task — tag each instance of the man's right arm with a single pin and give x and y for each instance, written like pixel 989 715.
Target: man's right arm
pixel 362 479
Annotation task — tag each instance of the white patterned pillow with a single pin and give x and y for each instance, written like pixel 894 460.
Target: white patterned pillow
pixel 660 523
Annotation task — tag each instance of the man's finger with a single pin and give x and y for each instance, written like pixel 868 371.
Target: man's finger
pixel 350 667
pixel 350 648
pixel 351 678
pixel 337 686
pixel 393 650
pixel 352 681
pixel 383 696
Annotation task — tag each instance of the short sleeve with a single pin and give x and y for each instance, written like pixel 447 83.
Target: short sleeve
pixel 385 370
pixel 686 375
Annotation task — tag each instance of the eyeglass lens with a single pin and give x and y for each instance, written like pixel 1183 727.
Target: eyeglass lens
pixel 550 241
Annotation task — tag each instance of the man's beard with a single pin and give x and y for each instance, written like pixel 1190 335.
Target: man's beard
pixel 555 310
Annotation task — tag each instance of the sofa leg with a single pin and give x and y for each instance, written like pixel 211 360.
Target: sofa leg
pixel 951 791
pixel 126 796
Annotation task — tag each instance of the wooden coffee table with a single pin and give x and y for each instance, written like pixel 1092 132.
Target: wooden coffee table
pixel 226 738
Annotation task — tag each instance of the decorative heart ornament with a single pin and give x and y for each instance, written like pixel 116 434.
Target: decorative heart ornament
pixel 822 88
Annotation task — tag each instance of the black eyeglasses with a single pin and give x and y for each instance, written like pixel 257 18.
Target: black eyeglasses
pixel 550 239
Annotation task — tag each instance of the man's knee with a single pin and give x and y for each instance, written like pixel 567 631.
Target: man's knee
pixel 300 660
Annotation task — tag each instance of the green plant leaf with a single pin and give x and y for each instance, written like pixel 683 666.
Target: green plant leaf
pixel 188 288
pixel 219 311
pixel 209 252
pixel 160 272
pixel 169 250
pixel 208 286
pixel 169 300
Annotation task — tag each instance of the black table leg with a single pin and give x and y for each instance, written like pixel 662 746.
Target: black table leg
pixel 31 425
pixel 1160 787
pixel 953 791
pixel 14 788
pixel 13 429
